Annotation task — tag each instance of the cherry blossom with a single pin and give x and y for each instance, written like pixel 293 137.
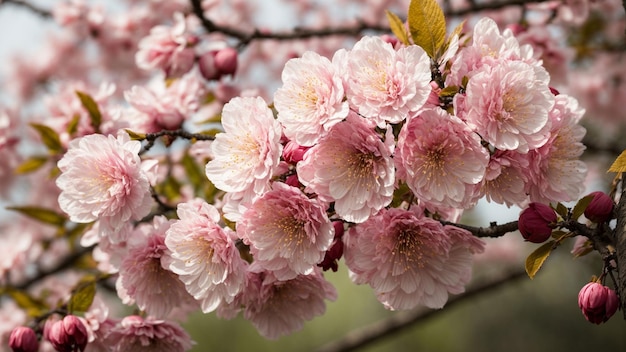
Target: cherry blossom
pixel 351 166
pixel 204 255
pixel 137 334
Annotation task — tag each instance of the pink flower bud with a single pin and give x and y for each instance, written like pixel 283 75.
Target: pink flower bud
pixel 23 339
pixel 600 208
pixel 597 302
pixel 292 153
pixel 206 64
pixel 536 222
pixel 226 61
pixel 293 181
pixel 335 252
pixel 67 335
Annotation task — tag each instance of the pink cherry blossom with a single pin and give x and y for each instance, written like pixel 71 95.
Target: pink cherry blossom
pixel 278 308
pixel 508 105
pixel 351 166
pixel 204 255
pixel 555 172
pixel 505 178
pixel 440 159
pixel 137 334
pixel 168 48
pixel 311 99
pixel 103 178
pixel 406 259
pixel 247 154
pixel 288 233
pixel 144 278
pixel 384 84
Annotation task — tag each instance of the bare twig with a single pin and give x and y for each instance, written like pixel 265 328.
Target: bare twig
pixel 37 10
pixel 492 231
pixel 401 321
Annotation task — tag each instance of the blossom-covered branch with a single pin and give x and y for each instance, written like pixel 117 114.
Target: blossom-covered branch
pixel 386 328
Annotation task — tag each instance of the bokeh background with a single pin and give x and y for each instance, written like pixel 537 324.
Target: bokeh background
pixel 523 315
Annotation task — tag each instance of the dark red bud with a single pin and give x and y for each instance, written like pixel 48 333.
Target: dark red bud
pixel 536 222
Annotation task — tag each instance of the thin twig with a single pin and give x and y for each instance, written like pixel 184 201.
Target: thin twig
pixel 401 321
pixel 492 231
pixel 37 10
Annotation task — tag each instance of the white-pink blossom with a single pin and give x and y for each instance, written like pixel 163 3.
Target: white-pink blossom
pixel 505 178
pixel 440 159
pixel 103 178
pixel 277 307
pixel 408 259
pixel 248 152
pixel 508 104
pixel 386 85
pixel 144 278
pixel 137 334
pixel 168 48
pixel 311 99
pixel 555 172
pixel 351 166
pixel 204 255
pixel 288 233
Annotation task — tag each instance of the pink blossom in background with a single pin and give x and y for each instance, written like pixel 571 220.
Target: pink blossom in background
pixel 441 159
pixel 248 152
pixel 277 308
pixel 204 255
pixel 144 278
pixel 508 104
pixel 168 48
pixel 102 178
pixel 310 100
pixel 288 233
pixel 555 172
pixel 351 166
pixel 9 141
pixel 406 259
pixel 137 334
pixel 386 85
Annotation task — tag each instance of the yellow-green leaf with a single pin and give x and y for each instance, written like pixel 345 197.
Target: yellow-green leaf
pixel 135 136
pixel 619 165
pixel 449 91
pixel 49 137
pixel 31 164
pixel 536 259
pixel 456 32
pixel 193 171
pixel 32 306
pixel 397 27
pixel 92 108
pixel 561 210
pixel 72 127
pixel 580 206
pixel 82 297
pixel 43 215
pixel 427 26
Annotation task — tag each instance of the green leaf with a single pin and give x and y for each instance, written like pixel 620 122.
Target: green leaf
pixel 49 137
pixel 193 171
pixel 561 210
pixel 135 136
pixel 33 307
pixel 43 215
pixel 92 108
pixel 397 27
pixel 619 165
pixel 82 296
pixel 427 26
pixel 536 259
pixel 580 206
pixel 31 164
pixel 449 91
pixel 72 127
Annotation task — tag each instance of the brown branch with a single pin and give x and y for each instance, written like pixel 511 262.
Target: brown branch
pixel 152 137
pixel 620 240
pixel 37 10
pixel 403 320
pixel 496 5
pixel 492 231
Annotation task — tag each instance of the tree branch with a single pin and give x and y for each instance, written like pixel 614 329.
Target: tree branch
pixel 620 240
pixel 37 10
pixel 492 231
pixel 403 320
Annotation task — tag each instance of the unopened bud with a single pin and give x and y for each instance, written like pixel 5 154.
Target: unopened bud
pixel 206 64
pixel 23 339
pixel 226 61
pixel 600 209
pixel 597 302
pixel 293 153
pixel 67 335
pixel 536 222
